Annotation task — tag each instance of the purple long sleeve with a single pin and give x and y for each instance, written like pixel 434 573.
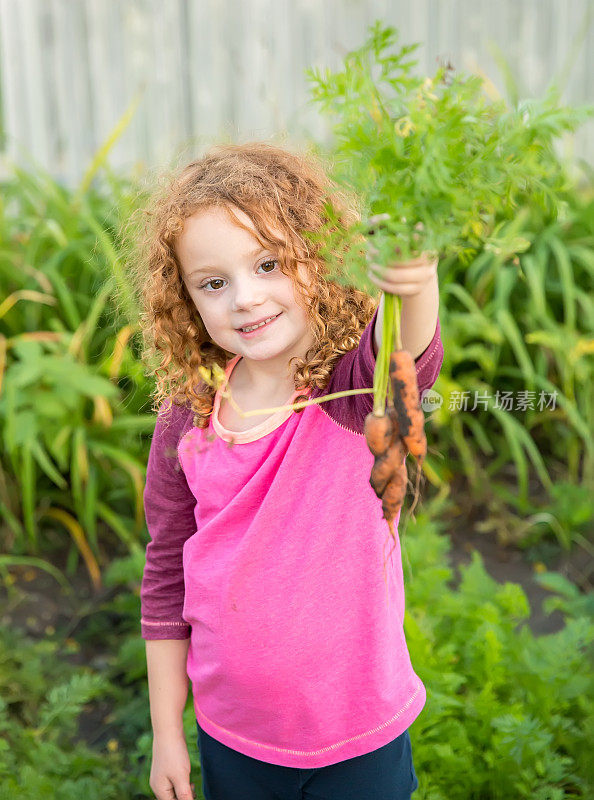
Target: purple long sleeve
pixel 169 511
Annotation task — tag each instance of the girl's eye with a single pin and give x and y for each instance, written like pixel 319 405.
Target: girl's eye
pixel 219 280
pixel 214 280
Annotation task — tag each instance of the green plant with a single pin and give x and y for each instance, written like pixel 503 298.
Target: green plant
pixel 508 714
pixel 39 707
pixel 68 730
pixel 448 170
pixel 72 387
pixel 526 330
pixel 437 151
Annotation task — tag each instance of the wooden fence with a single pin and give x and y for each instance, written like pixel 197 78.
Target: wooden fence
pixel 207 69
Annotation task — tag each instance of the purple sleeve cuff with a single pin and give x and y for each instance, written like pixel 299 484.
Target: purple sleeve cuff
pixel 169 510
pixel 164 630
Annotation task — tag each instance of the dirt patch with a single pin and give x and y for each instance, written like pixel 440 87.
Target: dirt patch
pixel 37 605
pixel 511 565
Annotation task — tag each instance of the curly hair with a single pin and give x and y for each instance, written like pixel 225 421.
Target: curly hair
pixel 278 190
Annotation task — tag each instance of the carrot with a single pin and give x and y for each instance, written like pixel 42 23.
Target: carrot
pixel 391 412
pixel 393 434
pixel 411 422
pixel 392 502
pixel 378 432
pixel 386 465
pixel 393 496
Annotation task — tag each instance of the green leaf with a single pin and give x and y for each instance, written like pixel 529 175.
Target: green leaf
pixel 566 275
pixel 46 465
pixel 517 436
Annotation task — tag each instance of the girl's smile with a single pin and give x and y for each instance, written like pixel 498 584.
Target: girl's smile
pixel 258 326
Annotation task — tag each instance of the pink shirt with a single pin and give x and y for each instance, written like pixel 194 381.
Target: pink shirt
pixel 268 553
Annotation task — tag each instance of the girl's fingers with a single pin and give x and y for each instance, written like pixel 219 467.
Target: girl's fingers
pixel 417 263
pixel 407 289
pixel 398 287
pixel 404 283
pixel 404 278
pixel 424 256
pixel 406 274
pixel 411 263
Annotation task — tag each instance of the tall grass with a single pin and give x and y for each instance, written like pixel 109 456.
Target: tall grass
pixel 525 327
pixel 72 388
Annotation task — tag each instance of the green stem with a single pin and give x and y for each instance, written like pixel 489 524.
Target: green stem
pixel 293 406
pixel 391 339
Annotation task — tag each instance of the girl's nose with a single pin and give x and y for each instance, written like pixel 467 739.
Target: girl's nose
pixel 247 294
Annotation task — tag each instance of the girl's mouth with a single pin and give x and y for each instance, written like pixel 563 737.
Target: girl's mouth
pixel 256 331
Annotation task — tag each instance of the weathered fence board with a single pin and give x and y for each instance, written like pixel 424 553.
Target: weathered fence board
pixel 214 69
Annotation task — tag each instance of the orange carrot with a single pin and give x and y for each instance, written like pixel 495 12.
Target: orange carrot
pixel 411 422
pixel 378 432
pixel 386 465
pixel 390 436
pixel 393 497
pixel 391 412
pixel 392 502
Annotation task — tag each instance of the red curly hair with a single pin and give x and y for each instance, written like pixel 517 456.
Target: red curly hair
pixel 277 189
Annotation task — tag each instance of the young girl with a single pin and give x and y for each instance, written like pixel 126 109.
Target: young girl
pixel 264 578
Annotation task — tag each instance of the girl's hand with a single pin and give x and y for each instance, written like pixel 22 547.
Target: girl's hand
pixel 415 281
pixel 404 278
pixel 170 769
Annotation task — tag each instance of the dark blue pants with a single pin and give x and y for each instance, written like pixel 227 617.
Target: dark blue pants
pixel 384 774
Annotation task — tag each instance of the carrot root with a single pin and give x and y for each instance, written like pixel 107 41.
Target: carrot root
pixel 394 493
pixel 400 430
pixel 378 432
pixel 417 492
pixel 385 467
pixel 405 390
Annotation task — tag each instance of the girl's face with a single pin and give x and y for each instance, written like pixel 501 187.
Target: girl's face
pixel 234 282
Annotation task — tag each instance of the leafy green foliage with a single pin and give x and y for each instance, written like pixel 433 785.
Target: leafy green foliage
pixel 39 706
pixel 523 328
pixel 449 167
pixel 47 747
pixel 73 387
pixel 508 714
pixel 444 168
